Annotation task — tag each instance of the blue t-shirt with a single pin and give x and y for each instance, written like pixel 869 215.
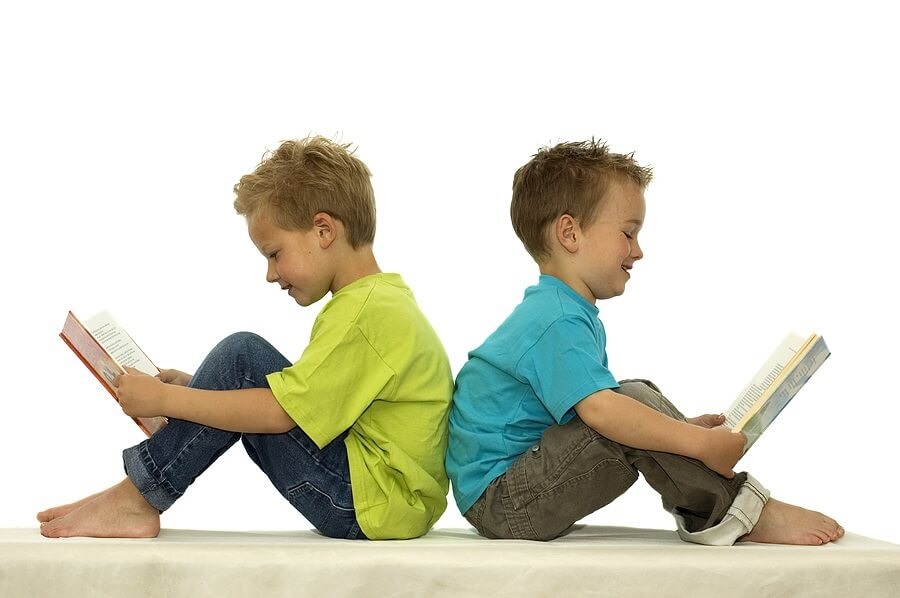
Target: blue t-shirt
pixel 528 375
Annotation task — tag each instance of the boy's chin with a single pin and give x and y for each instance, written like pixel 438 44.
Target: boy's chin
pixel 610 293
pixel 304 300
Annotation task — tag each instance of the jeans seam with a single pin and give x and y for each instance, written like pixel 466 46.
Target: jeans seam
pixel 155 474
pixel 161 475
pixel 338 475
pixel 757 491
pixel 300 488
pixel 741 515
pixel 587 474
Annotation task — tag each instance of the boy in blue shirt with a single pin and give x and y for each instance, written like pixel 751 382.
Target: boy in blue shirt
pixel 542 434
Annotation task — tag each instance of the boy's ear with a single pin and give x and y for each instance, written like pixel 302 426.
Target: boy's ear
pixel 567 232
pixel 325 226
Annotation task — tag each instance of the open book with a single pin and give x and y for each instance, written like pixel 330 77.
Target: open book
pixel 105 348
pixel 780 378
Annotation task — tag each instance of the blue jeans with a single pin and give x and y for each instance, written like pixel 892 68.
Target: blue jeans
pixel 315 481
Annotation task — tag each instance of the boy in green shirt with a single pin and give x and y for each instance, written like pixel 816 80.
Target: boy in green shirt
pixel 353 434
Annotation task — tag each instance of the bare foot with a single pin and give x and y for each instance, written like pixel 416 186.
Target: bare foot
pixel 120 512
pixel 782 523
pixel 61 510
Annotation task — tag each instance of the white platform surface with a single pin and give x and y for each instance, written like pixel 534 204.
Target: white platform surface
pixel 590 561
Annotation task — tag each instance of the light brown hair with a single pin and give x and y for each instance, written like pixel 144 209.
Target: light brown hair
pixel 568 178
pixel 306 176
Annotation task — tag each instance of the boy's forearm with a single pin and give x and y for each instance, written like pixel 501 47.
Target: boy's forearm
pixel 627 421
pixel 251 410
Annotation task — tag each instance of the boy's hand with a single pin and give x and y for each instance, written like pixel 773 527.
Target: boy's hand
pixel 722 449
pixel 139 394
pixel 709 420
pixel 174 377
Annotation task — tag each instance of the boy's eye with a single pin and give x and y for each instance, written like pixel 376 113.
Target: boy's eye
pixel 629 235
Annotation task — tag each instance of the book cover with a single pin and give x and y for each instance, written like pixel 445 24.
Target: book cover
pixel 105 348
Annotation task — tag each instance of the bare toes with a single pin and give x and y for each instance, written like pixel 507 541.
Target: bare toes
pixel 50 529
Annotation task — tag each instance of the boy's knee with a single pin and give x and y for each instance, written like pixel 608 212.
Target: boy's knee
pixel 649 394
pixel 242 341
pixel 638 387
pixel 245 347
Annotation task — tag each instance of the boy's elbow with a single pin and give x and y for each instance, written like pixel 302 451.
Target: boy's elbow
pixel 274 419
pixel 593 409
pixel 281 423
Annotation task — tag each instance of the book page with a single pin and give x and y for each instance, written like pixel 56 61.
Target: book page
pixel 749 398
pixel 118 344
pixel 813 355
pixel 90 352
pixel 786 372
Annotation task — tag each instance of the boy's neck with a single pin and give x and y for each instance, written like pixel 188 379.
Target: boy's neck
pixel 558 269
pixel 353 265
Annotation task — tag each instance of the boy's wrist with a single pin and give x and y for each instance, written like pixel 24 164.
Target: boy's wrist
pixel 165 399
pixel 697 443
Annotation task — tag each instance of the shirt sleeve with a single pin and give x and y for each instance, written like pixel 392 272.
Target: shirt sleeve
pixel 566 364
pixel 336 379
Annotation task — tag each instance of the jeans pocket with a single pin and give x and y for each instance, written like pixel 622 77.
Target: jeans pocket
pixel 475 514
pixel 526 477
pixel 547 462
pixel 329 517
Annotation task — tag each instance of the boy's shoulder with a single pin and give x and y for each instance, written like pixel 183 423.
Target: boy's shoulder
pixel 381 307
pixel 382 291
pixel 381 281
pixel 551 300
pixel 547 306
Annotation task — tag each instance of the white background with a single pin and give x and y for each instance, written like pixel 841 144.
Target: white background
pixel 772 128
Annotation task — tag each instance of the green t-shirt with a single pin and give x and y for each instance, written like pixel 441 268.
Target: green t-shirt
pixel 375 365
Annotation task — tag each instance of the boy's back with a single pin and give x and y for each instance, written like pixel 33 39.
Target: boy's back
pixel 527 375
pixel 375 365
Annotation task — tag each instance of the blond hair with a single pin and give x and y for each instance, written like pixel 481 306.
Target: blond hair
pixel 306 176
pixel 568 178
